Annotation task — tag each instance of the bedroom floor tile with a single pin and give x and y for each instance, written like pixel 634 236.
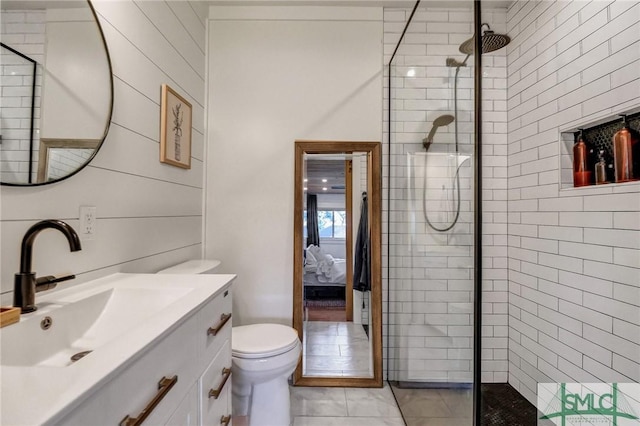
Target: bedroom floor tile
pixel 336 348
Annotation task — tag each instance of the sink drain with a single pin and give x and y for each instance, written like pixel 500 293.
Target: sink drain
pixel 46 323
pixel 79 355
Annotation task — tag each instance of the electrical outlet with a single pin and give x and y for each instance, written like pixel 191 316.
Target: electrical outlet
pixel 87 222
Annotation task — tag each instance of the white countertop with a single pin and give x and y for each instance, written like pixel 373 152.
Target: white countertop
pixel 40 395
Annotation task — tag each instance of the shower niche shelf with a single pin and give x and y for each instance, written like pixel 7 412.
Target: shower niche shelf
pixel 599 136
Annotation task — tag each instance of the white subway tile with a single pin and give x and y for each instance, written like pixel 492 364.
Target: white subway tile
pixel 577 374
pixel 584 29
pixel 585 92
pixel 625 74
pixel 620 7
pixel 626 220
pixel 541 245
pixel 616 273
pixel 604 373
pixel 561 119
pixel 523 303
pixel 563 347
pixel 563 233
pixel 587 316
pixel 540 298
pixel 627 367
pixel 613 237
pixel 587 219
pixel 561 320
pixel 540 271
pixel 540 218
pixel 629 294
pixel 613 308
pixel 614 202
pixel 627 330
pixel 622 346
pixel 626 257
pixel 587 283
pixel 587 251
pixel 540 351
pixel 627 92
pixel 560 291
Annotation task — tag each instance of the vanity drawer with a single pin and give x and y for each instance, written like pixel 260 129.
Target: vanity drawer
pixel 215 389
pixel 149 378
pixel 215 326
pixel 187 414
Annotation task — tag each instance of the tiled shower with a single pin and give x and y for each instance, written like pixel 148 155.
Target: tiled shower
pixel 431 301
pixel 560 265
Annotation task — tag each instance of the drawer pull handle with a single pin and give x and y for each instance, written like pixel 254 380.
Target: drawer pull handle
pixel 215 393
pixel 164 386
pixel 224 420
pixel 224 318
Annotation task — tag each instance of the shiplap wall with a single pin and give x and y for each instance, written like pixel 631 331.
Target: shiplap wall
pixel 574 254
pixel 149 215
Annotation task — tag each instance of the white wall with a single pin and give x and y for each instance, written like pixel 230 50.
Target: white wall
pixel 149 214
pixel 277 75
pixel 75 98
pixel 574 254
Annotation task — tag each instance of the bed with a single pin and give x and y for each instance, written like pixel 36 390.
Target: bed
pixel 322 268
pixel 325 276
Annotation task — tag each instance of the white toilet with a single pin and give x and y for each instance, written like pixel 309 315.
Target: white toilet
pixel 263 358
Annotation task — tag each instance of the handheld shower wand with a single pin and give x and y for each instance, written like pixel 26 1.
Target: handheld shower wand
pixel 443 120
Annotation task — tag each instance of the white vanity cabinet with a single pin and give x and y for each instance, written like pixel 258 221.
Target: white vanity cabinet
pixel 182 379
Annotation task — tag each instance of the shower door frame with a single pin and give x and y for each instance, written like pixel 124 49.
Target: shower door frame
pixel 477 203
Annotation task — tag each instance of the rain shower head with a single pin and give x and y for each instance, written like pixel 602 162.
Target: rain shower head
pixel 443 120
pixel 490 42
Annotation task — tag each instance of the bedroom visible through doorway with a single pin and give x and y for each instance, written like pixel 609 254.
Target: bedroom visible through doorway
pixel 337 280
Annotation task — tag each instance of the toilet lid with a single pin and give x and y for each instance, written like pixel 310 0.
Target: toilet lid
pixel 262 340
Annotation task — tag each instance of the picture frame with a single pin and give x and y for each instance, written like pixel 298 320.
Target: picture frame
pixel 175 129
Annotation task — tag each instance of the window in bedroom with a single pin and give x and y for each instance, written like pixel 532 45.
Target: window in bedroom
pixel 331 223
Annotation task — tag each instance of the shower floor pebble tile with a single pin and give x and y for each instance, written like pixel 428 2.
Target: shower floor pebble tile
pixel 344 407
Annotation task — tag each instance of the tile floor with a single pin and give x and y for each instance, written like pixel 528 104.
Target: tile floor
pixel 336 349
pixel 436 407
pixel 344 407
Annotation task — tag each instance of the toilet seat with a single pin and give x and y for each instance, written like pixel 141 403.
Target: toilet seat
pixel 262 340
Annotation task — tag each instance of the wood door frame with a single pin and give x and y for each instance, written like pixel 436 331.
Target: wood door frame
pixel 348 194
pixel 374 189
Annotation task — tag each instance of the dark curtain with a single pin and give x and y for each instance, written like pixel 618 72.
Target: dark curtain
pixel 313 234
pixel 362 267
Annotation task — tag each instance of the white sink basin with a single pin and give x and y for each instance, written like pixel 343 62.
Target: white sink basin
pixel 81 325
pixel 117 317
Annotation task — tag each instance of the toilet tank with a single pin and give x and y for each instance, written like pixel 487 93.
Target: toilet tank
pixel 198 266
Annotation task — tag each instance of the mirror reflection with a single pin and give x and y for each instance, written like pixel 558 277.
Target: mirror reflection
pixel 56 90
pixel 337 290
pixel 337 312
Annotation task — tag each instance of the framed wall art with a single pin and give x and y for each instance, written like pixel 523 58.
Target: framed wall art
pixel 175 129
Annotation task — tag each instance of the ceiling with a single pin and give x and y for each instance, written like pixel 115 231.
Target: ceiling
pixel 318 169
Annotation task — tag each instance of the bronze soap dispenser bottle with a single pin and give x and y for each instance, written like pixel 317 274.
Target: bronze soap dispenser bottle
pixel 581 162
pixel 624 143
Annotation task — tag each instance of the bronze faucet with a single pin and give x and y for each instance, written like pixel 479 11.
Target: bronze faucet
pixel 26 285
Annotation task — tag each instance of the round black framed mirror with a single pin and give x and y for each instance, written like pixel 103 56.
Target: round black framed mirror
pixel 57 90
